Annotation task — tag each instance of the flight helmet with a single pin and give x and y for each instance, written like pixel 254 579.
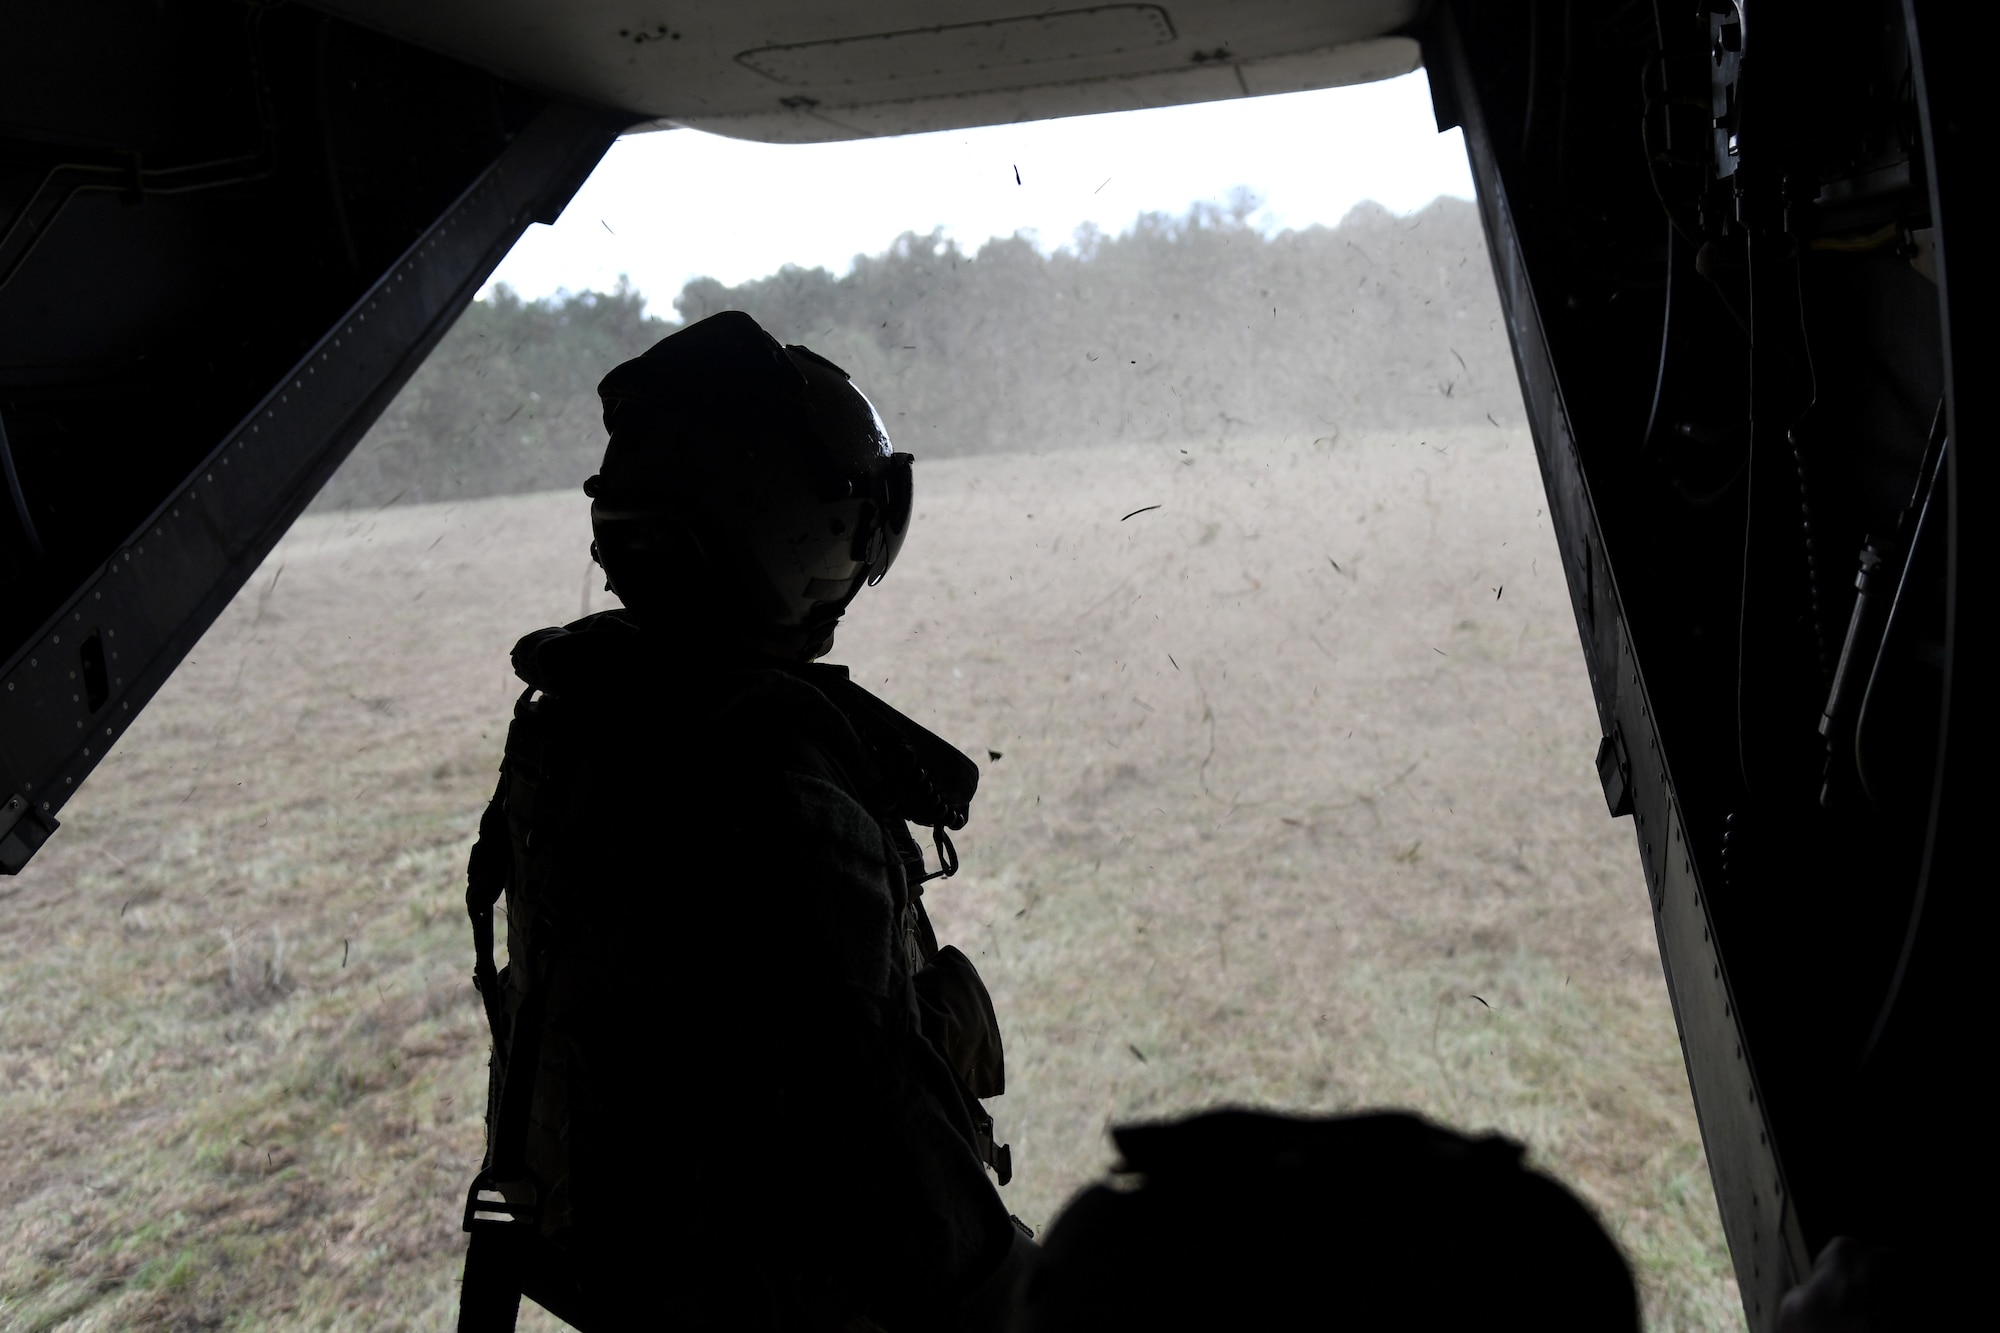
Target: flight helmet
pixel 748 488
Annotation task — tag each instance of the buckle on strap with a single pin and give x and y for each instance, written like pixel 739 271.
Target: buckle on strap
pixel 998 1156
pixel 487 1209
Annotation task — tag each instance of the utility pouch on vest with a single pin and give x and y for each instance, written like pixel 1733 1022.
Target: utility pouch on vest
pixel 958 1018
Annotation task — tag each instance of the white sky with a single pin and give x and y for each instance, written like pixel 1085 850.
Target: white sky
pixel 667 207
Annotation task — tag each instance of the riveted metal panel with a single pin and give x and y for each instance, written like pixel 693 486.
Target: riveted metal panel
pixel 1765 1240
pixel 142 611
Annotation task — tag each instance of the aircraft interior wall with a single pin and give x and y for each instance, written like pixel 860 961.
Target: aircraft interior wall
pixel 1719 233
pixel 196 198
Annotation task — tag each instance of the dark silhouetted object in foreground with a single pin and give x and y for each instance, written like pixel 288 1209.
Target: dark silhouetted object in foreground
pixel 735 1080
pixel 1860 1287
pixel 1248 1220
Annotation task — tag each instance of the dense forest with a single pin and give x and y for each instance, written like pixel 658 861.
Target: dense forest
pixel 1198 327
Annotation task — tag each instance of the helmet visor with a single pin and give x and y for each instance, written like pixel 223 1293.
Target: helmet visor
pixel 896 498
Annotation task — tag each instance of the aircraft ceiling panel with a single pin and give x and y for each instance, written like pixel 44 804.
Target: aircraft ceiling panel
pixel 1329 67
pixel 781 72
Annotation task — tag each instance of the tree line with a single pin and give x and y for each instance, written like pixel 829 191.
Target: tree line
pixel 1200 327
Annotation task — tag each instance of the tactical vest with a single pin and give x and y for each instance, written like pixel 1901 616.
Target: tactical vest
pixel 546 1168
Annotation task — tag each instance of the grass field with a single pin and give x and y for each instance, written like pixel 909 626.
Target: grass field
pixel 1294 806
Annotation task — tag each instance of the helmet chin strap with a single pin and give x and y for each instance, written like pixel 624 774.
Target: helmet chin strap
pixel 821 646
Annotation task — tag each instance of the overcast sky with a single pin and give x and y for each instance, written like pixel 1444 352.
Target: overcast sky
pixel 670 206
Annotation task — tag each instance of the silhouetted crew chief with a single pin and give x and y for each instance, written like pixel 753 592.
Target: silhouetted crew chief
pixel 735 1080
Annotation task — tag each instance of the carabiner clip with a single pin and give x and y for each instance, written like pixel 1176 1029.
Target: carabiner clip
pixel 946 853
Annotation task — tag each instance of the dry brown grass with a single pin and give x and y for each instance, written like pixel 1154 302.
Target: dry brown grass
pixel 1261 831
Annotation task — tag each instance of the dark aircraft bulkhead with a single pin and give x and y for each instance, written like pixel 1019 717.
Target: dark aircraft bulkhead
pixel 228 233
pixel 1742 272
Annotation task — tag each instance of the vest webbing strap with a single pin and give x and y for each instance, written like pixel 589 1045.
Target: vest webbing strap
pixel 486 875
